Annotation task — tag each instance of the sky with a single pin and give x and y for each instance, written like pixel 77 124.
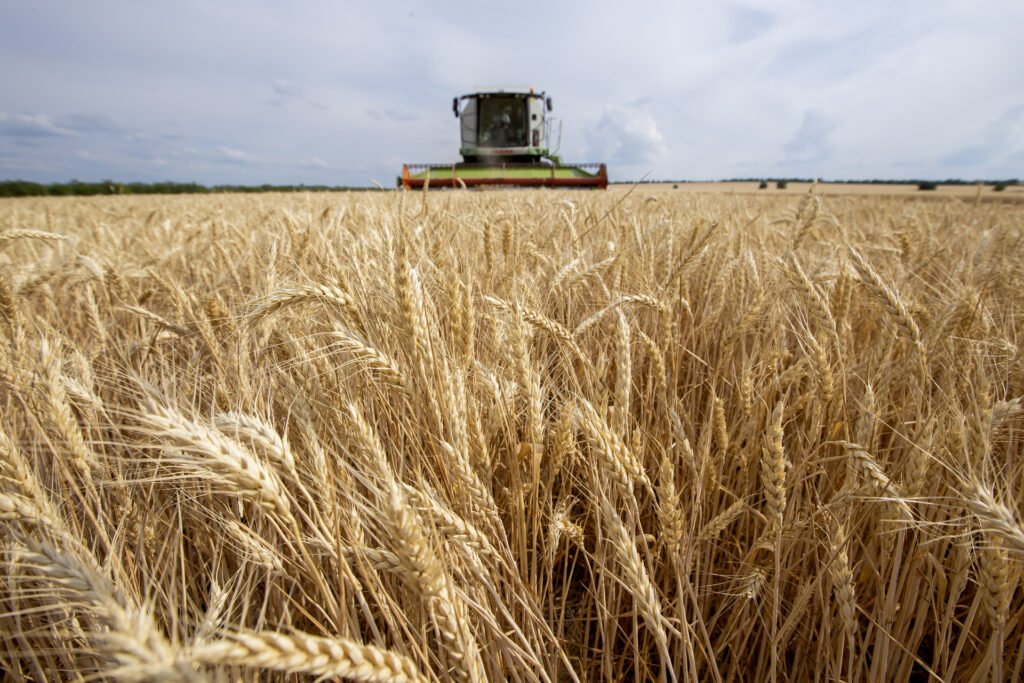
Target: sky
pixel 344 93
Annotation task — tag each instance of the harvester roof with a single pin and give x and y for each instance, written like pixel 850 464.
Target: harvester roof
pixel 516 90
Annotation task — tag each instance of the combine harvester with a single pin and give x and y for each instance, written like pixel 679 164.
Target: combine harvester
pixel 504 142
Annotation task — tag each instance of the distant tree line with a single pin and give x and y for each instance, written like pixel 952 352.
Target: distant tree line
pixel 24 188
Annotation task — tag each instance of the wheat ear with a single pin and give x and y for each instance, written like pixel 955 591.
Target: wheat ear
pixel 720 522
pixel 670 512
pixel 615 458
pixel 372 358
pixel 429 577
pixel 818 308
pixel 640 299
pixel 541 321
pixel 890 300
pixel 637 580
pixel 995 584
pixel 307 654
pixel 290 296
pixel 842 583
pixel 24 234
pixel 877 479
pixel 994 516
pixel 218 459
pixel 159 320
pixel 129 639
pixel 63 420
pixel 623 375
pixel 260 435
pixel 773 468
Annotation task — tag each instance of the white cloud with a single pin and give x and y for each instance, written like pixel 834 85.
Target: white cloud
pixel 286 88
pixel 390 114
pixel 625 135
pixel 1003 138
pixel 21 164
pixel 811 144
pixel 31 126
pixel 236 155
pixel 314 163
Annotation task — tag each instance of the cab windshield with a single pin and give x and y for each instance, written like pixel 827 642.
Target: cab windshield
pixel 502 122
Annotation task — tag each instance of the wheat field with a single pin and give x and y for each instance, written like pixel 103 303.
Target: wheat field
pixel 512 435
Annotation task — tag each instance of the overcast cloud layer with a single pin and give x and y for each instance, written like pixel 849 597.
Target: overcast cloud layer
pixel 344 93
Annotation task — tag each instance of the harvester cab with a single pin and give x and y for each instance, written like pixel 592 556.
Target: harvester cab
pixel 505 135
pixel 502 127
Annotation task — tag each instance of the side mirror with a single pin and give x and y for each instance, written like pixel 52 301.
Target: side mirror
pixel 549 103
pixel 455 106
